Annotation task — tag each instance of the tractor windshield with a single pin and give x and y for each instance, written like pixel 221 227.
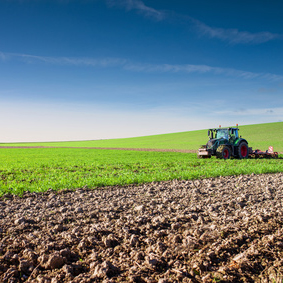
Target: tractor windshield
pixel 222 133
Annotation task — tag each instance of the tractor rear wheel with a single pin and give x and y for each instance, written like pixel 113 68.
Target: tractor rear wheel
pixel 243 150
pixel 223 152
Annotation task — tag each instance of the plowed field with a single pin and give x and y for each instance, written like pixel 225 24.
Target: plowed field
pixel 225 229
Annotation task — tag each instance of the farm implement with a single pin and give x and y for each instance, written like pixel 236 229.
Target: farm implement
pixel 225 143
pixel 264 154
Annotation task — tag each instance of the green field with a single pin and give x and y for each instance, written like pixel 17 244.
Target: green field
pixel 259 136
pixel 34 169
pixel 40 169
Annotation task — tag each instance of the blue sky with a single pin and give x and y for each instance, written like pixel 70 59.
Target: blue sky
pixel 96 69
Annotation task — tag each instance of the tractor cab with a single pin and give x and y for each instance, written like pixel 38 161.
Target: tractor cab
pixel 229 134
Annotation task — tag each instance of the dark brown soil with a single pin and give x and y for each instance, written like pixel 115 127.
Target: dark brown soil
pixel 215 230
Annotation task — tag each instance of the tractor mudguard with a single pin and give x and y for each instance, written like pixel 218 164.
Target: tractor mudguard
pixel 238 141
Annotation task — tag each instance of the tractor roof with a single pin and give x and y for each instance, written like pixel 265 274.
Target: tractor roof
pixel 230 128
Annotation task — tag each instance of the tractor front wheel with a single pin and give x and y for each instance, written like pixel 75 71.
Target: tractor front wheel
pixel 243 150
pixel 223 152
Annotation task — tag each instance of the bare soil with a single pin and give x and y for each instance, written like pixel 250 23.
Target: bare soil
pixel 226 229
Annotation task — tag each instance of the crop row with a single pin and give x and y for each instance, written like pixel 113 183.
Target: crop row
pixel 37 170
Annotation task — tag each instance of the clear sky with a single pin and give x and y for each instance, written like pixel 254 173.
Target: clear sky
pixel 96 69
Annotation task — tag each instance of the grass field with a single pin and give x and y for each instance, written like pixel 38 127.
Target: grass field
pixel 40 169
pixel 259 136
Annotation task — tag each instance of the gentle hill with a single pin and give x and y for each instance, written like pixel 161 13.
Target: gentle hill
pixel 263 135
pixel 259 136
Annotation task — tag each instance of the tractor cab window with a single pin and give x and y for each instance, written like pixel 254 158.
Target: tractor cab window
pixel 223 133
pixel 233 134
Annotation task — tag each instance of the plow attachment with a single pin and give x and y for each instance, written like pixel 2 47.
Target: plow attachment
pixel 263 154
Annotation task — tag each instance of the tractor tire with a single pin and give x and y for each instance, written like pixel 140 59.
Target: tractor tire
pixel 243 150
pixel 223 152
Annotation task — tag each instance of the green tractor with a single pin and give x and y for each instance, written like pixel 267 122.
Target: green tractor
pixel 224 143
